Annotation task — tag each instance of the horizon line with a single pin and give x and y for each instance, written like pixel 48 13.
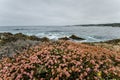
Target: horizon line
pixel 62 25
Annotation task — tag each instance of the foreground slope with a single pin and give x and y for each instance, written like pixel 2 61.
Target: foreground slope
pixel 62 60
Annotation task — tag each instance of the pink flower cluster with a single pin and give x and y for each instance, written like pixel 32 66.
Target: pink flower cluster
pixel 62 60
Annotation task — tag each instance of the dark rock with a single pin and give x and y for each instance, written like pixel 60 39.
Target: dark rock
pixel 8 37
pixel 44 39
pixel 64 38
pixel 5 35
pixel 114 41
pixel 33 38
pixel 76 37
pixel 20 36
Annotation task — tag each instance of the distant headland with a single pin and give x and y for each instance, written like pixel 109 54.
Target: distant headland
pixel 106 24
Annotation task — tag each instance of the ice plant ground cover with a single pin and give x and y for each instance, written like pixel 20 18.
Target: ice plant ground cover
pixel 62 60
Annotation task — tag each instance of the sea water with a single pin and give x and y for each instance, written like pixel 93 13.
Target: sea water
pixel 90 33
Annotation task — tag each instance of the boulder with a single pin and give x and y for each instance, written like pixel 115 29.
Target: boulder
pixel 64 38
pixel 44 39
pixel 76 37
pixel 33 38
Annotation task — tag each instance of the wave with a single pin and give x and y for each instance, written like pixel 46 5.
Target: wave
pixel 54 31
pixel 52 35
pixel 17 29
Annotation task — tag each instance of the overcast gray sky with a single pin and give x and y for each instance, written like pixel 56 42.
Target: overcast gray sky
pixel 58 12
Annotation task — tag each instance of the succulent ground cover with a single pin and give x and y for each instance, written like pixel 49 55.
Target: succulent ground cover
pixel 110 44
pixel 62 60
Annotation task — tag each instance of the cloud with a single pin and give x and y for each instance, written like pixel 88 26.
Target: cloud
pixel 58 12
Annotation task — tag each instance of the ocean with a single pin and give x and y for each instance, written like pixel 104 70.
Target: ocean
pixel 90 33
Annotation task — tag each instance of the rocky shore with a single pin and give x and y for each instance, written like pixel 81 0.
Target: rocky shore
pixel 15 43
pixel 25 57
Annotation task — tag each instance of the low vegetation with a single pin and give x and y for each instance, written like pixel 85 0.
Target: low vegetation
pixel 62 60
pixel 9 37
pixel 113 45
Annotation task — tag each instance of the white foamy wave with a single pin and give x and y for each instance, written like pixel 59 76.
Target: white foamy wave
pixel 54 36
pixel 57 35
pixel 90 39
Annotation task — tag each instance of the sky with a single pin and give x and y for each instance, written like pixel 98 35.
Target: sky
pixel 58 12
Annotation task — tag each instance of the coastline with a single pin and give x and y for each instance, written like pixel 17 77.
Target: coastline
pixel 15 43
